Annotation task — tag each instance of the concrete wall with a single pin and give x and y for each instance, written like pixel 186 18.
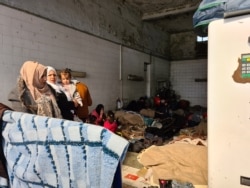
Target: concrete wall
pixel 26 37
pixel 88 35
pixel 189 80
pixel 108 19
pixel 183 46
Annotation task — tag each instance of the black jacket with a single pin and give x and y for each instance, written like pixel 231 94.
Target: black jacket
pixel 65 106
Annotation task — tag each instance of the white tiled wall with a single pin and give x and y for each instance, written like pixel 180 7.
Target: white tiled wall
pixel 133 64
pixel 183 75
pixel 26 37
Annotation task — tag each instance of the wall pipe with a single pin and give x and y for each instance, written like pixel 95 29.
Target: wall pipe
pixel 120 73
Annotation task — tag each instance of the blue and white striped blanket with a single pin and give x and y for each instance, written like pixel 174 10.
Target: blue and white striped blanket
pixel 55 153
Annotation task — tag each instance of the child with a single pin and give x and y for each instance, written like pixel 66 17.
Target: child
pixel 91 119
pixel 110 122
pixel 68 87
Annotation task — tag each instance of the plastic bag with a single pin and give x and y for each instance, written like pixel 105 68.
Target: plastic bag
pixel 210 10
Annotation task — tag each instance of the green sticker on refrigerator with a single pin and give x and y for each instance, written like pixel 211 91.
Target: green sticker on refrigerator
pixel 245 65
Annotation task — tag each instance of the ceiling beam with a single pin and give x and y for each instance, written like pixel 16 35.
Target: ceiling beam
pixel 167 12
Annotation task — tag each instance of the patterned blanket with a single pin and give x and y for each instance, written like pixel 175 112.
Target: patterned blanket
pixel 55 153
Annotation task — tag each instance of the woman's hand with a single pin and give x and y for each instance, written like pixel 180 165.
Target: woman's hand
pixel 75 103
pixel 101 113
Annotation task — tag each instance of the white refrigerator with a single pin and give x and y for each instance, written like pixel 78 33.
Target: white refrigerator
pixel 229 102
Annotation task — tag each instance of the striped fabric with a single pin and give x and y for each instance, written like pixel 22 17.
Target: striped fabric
pixel 50 152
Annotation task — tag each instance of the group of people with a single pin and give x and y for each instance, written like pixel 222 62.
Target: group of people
pixel 98 117
pixel 39 91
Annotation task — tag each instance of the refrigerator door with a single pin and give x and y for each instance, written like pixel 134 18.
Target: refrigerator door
pixel 229 103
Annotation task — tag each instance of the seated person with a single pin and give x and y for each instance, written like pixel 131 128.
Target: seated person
pixel 162 110
pixel 91 119
pixel 98 112
pixel 110 122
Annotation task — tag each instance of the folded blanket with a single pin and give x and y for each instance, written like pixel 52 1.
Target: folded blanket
pixel 177 161
pixel 50 152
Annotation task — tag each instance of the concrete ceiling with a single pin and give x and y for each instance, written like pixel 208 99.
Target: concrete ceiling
pixel 173 16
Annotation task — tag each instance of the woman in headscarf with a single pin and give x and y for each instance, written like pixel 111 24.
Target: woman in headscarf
pixel 33 91
pixel 66 107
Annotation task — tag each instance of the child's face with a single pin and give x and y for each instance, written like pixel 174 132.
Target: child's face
pixel 65 80
pixel 110 119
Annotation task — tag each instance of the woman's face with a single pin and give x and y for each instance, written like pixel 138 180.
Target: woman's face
pixel 43 79
pixel 51 77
